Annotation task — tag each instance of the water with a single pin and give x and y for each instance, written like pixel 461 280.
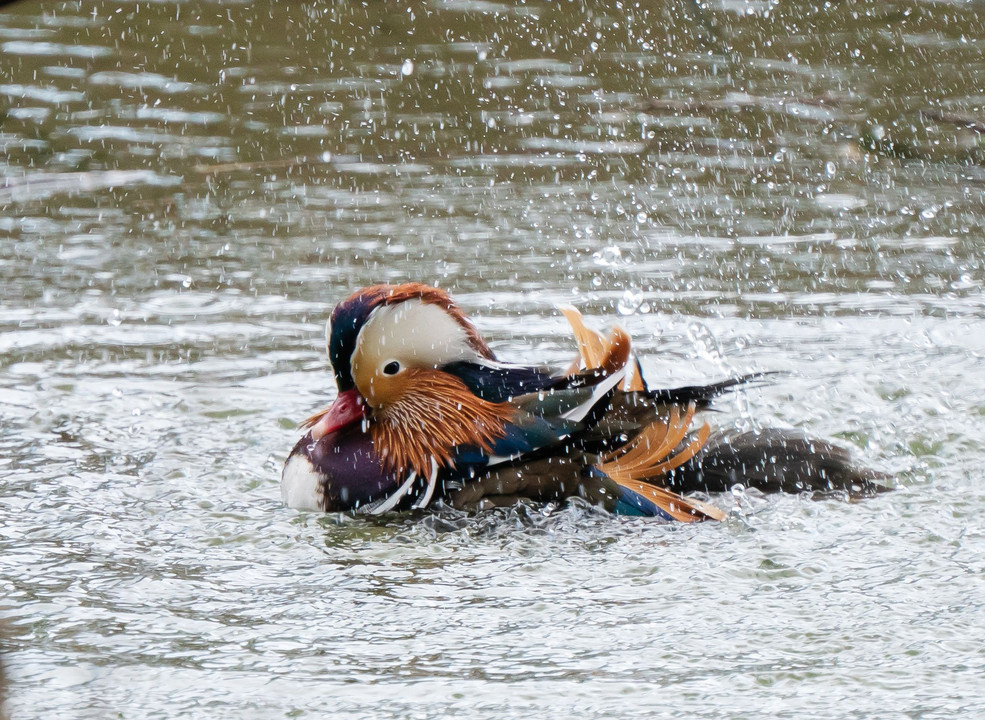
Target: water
pixel 189 188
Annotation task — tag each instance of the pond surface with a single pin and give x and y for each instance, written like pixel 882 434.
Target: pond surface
pixel 187 190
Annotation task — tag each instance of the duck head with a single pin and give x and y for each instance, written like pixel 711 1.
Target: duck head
pixel 384 336
pixel 401 407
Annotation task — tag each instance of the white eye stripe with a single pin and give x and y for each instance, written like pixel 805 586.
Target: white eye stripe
pixel 413 333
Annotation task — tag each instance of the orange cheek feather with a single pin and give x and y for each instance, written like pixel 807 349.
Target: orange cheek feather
pixel 424 414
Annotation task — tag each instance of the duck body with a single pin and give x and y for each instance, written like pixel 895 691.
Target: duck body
pixel 426 413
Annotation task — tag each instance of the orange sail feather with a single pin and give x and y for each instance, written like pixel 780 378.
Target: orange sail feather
pixel 593 347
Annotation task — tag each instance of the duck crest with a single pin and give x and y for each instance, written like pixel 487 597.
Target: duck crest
pixel 435 414
pixel 351 315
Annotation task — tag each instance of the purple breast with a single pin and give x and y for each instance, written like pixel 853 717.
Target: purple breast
pixel 352 474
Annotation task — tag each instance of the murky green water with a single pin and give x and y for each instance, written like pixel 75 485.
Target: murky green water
pixel 187 190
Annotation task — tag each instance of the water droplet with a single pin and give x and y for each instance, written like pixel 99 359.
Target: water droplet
pixel 630 302
pixel 115 318
pixel 407 68
pixel 608 256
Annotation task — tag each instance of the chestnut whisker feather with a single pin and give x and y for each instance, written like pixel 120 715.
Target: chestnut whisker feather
pixel 435 413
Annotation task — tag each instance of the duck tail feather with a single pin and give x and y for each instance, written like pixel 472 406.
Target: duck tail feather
pixel 702 395
pixel 776 460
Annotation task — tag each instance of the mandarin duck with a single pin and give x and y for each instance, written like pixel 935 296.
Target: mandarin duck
pixel 425 412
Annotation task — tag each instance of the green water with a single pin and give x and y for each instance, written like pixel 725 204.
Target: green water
pixel 187 190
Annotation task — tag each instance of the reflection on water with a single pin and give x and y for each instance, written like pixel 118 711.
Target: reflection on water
pixel 188 189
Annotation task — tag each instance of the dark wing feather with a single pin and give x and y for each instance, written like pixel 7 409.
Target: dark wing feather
pixel 702 395
pixel 542 479
pixel 629 412
pixel 501 382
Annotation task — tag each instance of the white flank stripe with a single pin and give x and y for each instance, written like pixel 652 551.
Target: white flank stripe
pixel 432 482
pixel 387 504
pixel 578 414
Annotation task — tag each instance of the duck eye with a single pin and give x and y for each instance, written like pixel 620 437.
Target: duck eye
pixel 391 368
